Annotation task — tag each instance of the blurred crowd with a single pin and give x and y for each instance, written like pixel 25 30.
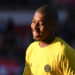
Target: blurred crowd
pixel 13 43
pixel 15 38
pixel 66 24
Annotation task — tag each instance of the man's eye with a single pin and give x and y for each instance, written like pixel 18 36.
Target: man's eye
pixel 33 21
pixel 40 23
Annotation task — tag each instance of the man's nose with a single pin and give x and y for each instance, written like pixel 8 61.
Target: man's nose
pixel 37 27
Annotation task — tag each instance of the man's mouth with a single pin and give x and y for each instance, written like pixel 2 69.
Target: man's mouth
pixel 35 34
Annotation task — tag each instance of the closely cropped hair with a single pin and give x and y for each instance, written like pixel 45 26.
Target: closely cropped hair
pixel 49 12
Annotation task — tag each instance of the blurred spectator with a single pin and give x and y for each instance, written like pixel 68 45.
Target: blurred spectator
pixel 3 25
pixel 10 26
pixel 11 39
pixel 1 40
pixel 63 15
pixel 9 67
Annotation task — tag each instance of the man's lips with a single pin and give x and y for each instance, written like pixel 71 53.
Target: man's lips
pixel 35 34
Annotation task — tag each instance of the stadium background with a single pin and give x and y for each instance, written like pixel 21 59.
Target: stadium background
pixel 15 32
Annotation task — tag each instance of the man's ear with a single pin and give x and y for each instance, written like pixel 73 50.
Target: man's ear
pixel 54 25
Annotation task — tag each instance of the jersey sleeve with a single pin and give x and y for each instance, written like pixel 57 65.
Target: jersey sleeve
pixel 27 70
pixel 67 61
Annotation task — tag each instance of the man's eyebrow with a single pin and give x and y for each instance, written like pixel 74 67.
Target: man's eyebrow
pixel 43 20
pixel 33 19
pixel 40 20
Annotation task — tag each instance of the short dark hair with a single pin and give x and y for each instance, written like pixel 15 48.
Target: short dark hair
pixel 49 12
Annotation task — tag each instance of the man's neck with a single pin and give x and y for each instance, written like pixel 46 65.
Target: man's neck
pixel 46 42
pixel 43 44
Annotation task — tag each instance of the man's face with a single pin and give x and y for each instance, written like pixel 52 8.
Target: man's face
pixel 41 28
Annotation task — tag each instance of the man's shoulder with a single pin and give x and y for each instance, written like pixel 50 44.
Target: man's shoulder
pixel 31 47
pixel 62 42
pixel 33 44
pixel 67 49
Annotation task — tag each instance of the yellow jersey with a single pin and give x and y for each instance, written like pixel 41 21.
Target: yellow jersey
pixel 58 58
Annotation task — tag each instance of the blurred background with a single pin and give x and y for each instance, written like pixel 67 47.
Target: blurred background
pixel 15 32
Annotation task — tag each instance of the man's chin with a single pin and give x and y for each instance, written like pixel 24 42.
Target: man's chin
pixel 36 39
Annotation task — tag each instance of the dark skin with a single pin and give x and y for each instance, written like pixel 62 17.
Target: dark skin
pixel 42 29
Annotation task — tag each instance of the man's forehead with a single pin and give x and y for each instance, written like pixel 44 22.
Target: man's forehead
pixel 40 16
pixel 42 20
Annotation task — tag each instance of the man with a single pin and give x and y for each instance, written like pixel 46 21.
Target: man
pixel 48 55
